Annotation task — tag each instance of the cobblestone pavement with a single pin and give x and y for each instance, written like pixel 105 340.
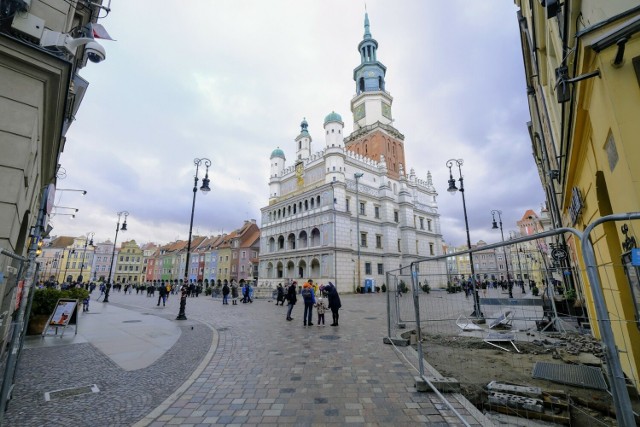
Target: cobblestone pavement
pixel 263 371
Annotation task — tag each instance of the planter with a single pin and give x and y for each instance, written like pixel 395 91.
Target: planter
pixel 36 325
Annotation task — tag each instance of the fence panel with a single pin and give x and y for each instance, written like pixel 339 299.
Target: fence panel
pixel 534 331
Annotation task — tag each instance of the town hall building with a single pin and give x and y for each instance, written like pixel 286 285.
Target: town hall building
pixel 351 211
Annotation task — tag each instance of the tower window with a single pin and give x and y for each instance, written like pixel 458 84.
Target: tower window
pixel 333 130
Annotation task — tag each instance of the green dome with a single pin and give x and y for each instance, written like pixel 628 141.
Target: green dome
pixel 333 117
pixel 277 153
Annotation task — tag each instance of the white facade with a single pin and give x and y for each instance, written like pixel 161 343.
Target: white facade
pixel 310 229
pixel 322 224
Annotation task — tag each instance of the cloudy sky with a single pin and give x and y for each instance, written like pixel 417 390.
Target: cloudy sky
pixel 230 80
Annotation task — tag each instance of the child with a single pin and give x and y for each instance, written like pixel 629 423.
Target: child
pixel 85 304
pixel 320 308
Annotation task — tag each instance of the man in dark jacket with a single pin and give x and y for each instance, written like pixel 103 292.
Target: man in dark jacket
pixel 162 294
pixel 225 293
pixel 334 302
pixel 292 299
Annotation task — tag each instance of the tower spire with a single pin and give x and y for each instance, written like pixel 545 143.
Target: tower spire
pixel 367 31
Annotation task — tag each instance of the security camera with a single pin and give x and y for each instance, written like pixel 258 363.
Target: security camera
pixel 95 52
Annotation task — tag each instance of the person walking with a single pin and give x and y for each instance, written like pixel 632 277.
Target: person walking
pixel 308 296
pixel 162 294
pixel 234 293
pixel 225 293
pixel 280 297
pixel 291 299
pixel 334 302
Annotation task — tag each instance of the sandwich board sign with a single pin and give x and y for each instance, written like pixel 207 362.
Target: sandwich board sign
pixel 64 314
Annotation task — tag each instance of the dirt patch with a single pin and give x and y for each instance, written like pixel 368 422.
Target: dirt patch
pixel 475 363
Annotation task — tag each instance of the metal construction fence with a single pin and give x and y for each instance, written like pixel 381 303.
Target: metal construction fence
pixel 14 288
pixel 531 354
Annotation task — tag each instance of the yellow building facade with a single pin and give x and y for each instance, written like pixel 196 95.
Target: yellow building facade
pixel 582 69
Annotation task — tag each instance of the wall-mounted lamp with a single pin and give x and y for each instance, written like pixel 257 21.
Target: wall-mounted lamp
pixel 65 207
pixel 563 90
pixel 84 192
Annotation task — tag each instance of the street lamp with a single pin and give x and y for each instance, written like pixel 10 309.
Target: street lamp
pixel 357 176
pixel 205 189
pixel 495 227
pixel 119 227
pixel 452 190
pixel 84 252
pixel 66 267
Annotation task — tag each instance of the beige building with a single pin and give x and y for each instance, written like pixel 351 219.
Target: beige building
pixel 582 72
pixel 43 45
pixel 129 265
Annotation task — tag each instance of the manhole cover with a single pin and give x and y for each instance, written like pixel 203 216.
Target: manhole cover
pixel 329 337
pixel 131 321
pixel 70 392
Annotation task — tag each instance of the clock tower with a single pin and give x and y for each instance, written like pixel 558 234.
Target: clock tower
pixel 373 132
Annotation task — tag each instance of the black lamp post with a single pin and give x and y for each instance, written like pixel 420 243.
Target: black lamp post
pixel 495 227
pixel 88 240
pixel 205 189
pixel 452 190
pixel 66 267
pixel 357 176
pixel 113 252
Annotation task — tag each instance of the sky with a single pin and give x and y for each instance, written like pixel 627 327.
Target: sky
pixel 231 80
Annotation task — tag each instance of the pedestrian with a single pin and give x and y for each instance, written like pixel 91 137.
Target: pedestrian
pixel 234 293
pixel 320 309
pixel 334 302
pixel 85 304
pixel 162 294
pixel 291 299
pixel 250 292
pixel 280 294
pixel 309 299
pixel 225 293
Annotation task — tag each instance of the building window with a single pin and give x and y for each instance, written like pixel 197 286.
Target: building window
pixel 362 208
pixel 348 209
pixel 376 211
pixel 431 251
pixel 363 239
pixel 367 268
pixel 243 255
pixel 395 216
pixel 421 223
pixel 429 225
pixel 379 241
pixel 417 247
pixel 399 246
pixel 380 268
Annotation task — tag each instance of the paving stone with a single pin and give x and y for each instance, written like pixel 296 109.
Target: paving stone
pixel 263 371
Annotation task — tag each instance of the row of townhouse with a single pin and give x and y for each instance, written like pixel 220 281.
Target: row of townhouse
pixel 529 261
pixel 232 256
pixel 212 259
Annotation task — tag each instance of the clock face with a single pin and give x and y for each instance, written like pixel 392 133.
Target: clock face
pixel 358 113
